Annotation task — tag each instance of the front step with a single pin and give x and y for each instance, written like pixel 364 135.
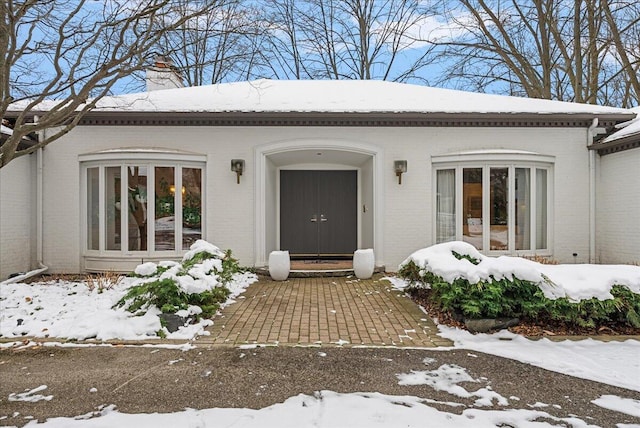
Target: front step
pixel 318 270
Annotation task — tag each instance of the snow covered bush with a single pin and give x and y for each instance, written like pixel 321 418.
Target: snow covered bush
pixel 195 287
pixel 462 281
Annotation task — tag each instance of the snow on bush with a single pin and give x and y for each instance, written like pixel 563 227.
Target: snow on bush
pixel 576 282
pixel 200 280
pixel 146 269
pixel 463 281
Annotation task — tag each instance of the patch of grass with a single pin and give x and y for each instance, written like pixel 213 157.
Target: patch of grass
pixel 102 281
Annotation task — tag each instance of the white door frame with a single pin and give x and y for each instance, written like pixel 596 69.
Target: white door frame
pixel 263 152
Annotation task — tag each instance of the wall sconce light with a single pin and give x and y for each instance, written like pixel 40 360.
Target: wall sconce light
pixel 400 167
pixel 237 166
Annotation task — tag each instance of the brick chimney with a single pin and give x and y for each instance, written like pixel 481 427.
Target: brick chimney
pixel 163 75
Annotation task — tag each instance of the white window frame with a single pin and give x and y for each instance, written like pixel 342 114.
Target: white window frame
pixel 498 159
pixel 140 158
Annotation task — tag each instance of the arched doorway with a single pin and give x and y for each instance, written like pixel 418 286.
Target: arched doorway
pixel 318 198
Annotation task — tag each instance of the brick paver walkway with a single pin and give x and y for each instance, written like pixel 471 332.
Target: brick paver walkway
pixel 324 311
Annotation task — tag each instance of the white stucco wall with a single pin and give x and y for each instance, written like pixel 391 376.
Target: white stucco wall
pixel 618 207
pixel 230 208
pixel 16 210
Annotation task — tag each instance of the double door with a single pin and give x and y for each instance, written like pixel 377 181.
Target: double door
pixel 318 212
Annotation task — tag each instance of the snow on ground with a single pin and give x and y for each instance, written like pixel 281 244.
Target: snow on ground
pixel 71 310
pixel 613 363
pixel 75 310
pixel 68 309
pixel 574 281
pixel 30 395
pixel 619 404
pixel 324 409
pixel 446 378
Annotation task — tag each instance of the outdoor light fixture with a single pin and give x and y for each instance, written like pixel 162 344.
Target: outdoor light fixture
pixel 400 167
pixel 172 189
pixel 237 166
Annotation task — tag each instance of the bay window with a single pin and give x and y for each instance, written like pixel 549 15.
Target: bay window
pixel 501 208
pixel 142 207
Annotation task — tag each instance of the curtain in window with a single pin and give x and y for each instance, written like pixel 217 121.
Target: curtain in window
pixel 446 205
pixel 93 209
pixel 523 209
pixel 113 207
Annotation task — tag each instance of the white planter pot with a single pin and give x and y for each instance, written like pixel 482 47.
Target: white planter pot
pixel 279 265
pixel 363 263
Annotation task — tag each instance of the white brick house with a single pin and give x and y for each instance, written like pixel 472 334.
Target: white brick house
pixel 144 175
pixel 618 195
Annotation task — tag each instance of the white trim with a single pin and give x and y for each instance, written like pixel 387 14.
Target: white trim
pixel 149 162
pixel 492 156
pixel 322 167
pixel 474 162
pixel 262 152
pixel 134 154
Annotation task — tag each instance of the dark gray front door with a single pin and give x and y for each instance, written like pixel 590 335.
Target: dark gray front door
pixel 318 212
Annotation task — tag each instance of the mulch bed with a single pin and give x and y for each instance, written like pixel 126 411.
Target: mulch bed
pixel 527 327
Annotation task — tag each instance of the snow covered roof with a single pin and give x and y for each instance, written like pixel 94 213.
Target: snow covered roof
pixel 627 129
pixel 336 96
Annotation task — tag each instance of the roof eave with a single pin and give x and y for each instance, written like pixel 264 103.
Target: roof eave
pixel 621 144
pixel 382 119
pixel 406 119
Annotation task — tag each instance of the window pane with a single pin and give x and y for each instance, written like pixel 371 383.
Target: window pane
pixel 446 205
pixel 137 200
pixel 93 208
pixel 541 209
pixel 523 210
pixel 112 207
pixel 472 206
pixel 499 208
pixel 165 224
pixel 191 206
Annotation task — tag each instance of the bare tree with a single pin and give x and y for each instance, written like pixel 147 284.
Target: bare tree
pixel 217 46
pixel 74 52
pixel 571 50
pixel 345 39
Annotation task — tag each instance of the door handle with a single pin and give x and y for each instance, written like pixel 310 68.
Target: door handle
pixel 314 219
pixel 322 218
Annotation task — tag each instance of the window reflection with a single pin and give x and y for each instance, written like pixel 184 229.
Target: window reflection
pixel 165 195
pixel 472 206
pixel 191 206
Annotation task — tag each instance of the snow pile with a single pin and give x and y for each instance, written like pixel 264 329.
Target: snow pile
pixel 575 282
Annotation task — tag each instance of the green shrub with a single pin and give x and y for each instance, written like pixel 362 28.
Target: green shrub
pixel 624 308
pixel 519 298
pixel 169 297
